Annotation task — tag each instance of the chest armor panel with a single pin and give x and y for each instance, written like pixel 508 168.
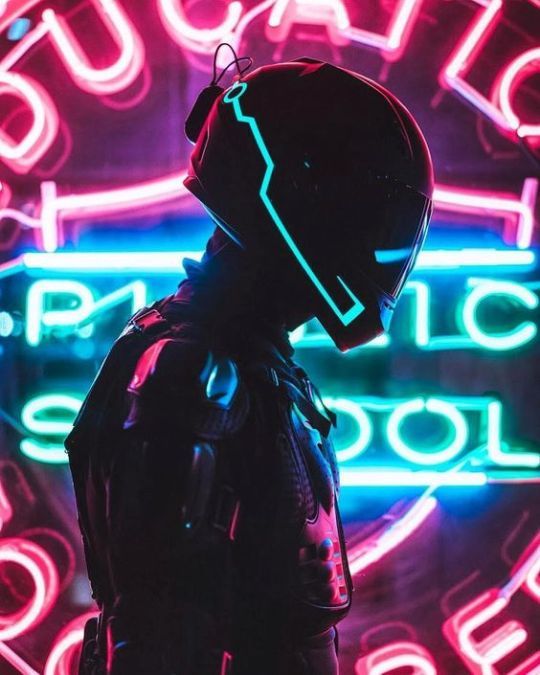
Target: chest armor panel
pixel 290 527
pixel 321 565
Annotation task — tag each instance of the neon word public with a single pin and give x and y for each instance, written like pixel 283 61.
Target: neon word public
pixel 59 307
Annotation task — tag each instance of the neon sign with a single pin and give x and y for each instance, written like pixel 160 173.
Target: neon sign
pixel 115 77
pixel 59 308
pixel 397 655
pixel 395 528
pixel 39 566
pixel 39 319
pixel 524 65
pixel 485 450
pixel 55 210
pixel 470 332
pixel 400 451
pixel 51 415
pixel 516 212
pixel 66 647
pixel 128 64
pixel 24 554
pixel 481 655
pixel 76 307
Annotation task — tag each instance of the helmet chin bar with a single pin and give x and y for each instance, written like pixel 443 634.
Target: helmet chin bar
pixel 374 321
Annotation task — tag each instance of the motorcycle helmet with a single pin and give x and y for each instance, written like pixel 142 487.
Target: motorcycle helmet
pixel 322 174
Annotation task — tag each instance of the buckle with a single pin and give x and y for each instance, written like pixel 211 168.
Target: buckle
pixel 274 379
pixel 147 319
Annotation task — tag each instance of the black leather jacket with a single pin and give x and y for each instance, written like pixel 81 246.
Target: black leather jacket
pixel 206 487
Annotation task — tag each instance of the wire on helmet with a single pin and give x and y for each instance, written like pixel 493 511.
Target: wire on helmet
pixel 236 61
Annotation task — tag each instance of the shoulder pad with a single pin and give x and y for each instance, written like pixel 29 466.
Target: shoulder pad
pixel 225 400
pixel 182 385
pixel 168 363
pixel 220 380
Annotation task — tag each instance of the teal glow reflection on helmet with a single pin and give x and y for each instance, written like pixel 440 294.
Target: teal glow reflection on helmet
pixel 232 96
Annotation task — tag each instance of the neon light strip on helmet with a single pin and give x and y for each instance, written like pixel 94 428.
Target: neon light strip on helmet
pixel 233 96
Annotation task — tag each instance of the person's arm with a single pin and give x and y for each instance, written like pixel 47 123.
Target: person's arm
pixel 161 487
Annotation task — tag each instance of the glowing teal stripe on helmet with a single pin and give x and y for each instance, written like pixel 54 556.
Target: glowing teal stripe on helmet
pixel 233 96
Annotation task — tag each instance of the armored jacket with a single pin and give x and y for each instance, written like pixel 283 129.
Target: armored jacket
pixel 206 487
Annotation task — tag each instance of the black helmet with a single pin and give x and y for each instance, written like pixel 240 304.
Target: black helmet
pixel 321 172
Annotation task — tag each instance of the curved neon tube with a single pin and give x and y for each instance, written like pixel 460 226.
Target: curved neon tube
pixel 60 651
pixel 31 410
pixel 113 78
pixel 376 547
pixel 420 664
pixel 435 406
pixel 396 655
pixel 507 83
pixel 38 564
pixel 20 87
pixel 70 637
pixel 520 335
pixel 22 155
pixel 362 421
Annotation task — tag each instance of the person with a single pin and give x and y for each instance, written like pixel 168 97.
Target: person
pixel 205 478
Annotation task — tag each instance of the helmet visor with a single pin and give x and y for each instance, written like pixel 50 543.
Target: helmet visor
pixel 357 244
pixel 400 218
